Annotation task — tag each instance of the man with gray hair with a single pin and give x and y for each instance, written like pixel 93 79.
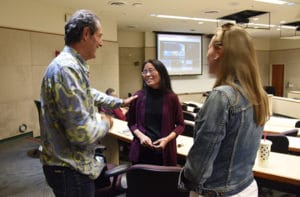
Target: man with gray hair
pixel 71 128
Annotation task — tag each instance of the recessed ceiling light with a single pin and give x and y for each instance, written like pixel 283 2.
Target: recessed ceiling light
pixel 291 3
pixel 184 18
pixel 137 4
pixel 279 2
pixel 211 12
pixel 234 3
pixel 117 3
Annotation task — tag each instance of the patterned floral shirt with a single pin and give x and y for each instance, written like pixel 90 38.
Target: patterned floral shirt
pixel 71 130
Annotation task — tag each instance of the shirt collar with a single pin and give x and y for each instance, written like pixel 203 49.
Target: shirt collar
pixel 74 53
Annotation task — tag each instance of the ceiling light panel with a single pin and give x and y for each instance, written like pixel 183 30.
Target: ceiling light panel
pixel 279 2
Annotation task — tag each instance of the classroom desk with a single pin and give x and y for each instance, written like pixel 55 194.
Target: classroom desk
pixel 276 170
pixel 268 128
pixel 282 168
pixel 282 172
pixel 121 131
pixel 294 144
pixel 194 103
pixel 275 129
pixel 281 121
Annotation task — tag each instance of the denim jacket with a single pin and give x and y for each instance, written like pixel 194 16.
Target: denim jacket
pixel 226 140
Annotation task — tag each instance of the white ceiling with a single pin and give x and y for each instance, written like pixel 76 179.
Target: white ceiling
pixel 138 18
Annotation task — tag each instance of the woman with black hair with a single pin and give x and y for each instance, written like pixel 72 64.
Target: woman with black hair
pixel 155 118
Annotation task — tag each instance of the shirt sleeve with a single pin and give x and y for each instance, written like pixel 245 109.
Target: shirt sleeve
pixel 76 115
pixel 210 130
pixel 102 99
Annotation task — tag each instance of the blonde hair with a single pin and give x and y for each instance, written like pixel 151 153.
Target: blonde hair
pixel 239 63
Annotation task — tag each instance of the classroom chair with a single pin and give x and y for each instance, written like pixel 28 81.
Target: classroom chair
pixel 188 129
pixel 292 132
pixel 280 143
pixel 152 180
pixel 188 115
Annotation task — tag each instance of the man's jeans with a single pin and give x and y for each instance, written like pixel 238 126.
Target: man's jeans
pixel 66 182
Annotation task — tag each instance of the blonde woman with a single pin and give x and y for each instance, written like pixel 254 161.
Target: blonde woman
pixel 229 126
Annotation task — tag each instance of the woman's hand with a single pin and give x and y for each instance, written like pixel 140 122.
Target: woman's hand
pixel 160 144
pixel 146 141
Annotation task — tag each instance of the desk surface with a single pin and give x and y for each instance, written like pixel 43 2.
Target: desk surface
pixel 120 130
pixel 277 170
pixel 269 128
pixel 294 144
pixel 282 167
pixel 275 129
pixel 281 121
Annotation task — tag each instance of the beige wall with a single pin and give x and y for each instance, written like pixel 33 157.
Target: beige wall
pixel 131 42
pixel 131 48
pixel 291 60
pixel 23 59
pixel 24 56
pixel 44 17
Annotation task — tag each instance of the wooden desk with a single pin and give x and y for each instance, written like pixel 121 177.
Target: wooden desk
pixel 121 131
pixel 278 125
pixel 194 103
pixel 294 144
pixel 282 168
pixel 282 173
pixel 275 129
pixel 184 143
pixel 281 121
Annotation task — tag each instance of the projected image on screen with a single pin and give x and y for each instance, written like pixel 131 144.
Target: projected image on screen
pixel 180 53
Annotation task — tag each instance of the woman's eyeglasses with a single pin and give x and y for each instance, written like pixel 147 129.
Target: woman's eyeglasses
pixel 150 71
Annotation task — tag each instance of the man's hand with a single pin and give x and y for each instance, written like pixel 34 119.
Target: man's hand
pixel 107 119
pixel 128 100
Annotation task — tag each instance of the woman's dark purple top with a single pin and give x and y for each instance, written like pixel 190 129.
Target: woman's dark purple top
pixel 172 120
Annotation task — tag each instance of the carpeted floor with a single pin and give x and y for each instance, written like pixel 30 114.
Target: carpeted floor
pixel 20 174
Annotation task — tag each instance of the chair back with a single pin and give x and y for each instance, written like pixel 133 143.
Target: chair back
pixel 297 125
pixel 196 109
pixel 184 107
pixel 39 109
pixel 153 180
pixel 188 115
pixel 188 129
pixel 280 143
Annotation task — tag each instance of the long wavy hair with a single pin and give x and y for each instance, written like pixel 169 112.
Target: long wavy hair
pixel 239 63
